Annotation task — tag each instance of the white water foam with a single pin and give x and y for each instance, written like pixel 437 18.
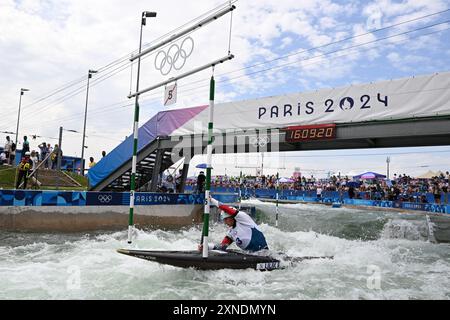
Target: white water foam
pixel 390 267
pixel 405 229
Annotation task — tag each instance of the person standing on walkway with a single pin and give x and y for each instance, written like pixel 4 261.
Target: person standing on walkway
pixel 44 152
pixel 33 172
pixel 49 152
pixel 319 191
pixel 23 169
pixel 12 154
pixel 7 149
pixel 91 162
pixel 57 152
pixel 25 145
pixel 201 178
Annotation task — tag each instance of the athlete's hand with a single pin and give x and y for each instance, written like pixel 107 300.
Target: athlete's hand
pixel 214 202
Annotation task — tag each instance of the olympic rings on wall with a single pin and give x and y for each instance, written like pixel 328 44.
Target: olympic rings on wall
pixel 104 198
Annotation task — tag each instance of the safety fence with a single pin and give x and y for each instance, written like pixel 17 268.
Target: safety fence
pixel 83 198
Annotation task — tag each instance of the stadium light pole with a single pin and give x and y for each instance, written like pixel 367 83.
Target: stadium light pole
pixel 145 15
pixel 90 73
pixel 22 90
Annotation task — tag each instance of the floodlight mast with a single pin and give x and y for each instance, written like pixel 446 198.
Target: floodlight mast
pixel 22 90
pixel 83 164
pixel 145 14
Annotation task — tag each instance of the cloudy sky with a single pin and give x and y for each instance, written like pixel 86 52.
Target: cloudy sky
pixel 281 46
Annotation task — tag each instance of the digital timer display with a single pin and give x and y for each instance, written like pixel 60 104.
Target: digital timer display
pixel 313 132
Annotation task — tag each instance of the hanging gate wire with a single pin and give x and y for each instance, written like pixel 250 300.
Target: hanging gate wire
pixel 231 27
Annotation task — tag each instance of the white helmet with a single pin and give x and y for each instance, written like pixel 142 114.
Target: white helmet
pixel 28 153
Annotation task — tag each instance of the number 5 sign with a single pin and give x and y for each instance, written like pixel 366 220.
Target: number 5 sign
pixel 170 95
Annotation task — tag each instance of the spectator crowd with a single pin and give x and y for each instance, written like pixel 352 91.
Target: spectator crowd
pixel 400 188
pixel 46 153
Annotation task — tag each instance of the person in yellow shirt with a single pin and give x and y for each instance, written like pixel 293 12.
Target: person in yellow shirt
pixel 24 168
pixel 92 162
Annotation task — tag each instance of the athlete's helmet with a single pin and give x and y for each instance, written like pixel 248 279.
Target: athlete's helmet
pixel 224 215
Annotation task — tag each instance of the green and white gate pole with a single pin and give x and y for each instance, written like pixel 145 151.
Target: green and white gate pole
pixel 204 240
pixel 133 170
pixel 145 15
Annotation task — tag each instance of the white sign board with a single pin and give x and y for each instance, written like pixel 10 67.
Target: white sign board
pixel 170 95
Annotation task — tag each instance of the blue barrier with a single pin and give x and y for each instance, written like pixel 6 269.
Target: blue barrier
pixel 41 198
pixel 81 198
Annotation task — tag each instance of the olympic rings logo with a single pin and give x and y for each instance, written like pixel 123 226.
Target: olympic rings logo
pixel 175 57
pixel 104 198
pixel 259 141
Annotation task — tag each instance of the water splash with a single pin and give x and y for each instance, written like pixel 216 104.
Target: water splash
pixel 405 229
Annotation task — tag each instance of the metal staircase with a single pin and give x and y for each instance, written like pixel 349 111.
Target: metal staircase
pixel 151 161
pixel 54 178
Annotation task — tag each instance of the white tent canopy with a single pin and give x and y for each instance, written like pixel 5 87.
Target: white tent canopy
pixel 429 174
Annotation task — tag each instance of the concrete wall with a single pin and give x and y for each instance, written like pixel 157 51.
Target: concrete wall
pixel 90 218
pixel 79 211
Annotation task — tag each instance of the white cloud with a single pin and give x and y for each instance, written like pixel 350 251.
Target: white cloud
pixel 327 23
pixel 406 62
pixel 286 41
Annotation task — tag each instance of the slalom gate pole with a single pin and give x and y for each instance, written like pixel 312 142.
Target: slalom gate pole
pixel 204 239
pixel 133 170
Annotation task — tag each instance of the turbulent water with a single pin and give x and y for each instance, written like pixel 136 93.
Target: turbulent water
pixel 377 255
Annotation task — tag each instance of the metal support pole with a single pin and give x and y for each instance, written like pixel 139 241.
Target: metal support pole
pixel 83 163
pixel 58 163
pixel 18 119
pixel 58 160
pixel 22 90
